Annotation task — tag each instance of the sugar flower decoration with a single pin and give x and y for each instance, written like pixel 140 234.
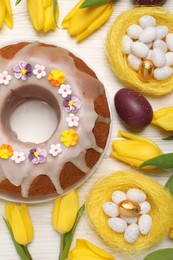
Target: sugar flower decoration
pixel 55 149
pixel 37 155
pixel 72 103
pixel 69 137
pixel 18 157
pixel 5 78
pixel 39 71
pixel 72 120
pixel 65 90
pixel 22 70
pixel 6 151
pixel 56 77
pixel 128 214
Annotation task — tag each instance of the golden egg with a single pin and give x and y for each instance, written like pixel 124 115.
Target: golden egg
pixel 129 208
pixel 146 70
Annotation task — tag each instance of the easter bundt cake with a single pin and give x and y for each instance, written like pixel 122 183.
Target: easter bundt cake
pixel 53 75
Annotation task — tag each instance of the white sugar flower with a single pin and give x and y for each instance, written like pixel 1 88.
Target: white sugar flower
pixel 39 71
pixel 72 120
pixel 18 157
pixel 5 78
pixel 65 90
pixel 55 149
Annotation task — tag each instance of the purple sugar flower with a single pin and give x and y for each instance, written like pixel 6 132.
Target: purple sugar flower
pixel 22 70
pixel 72 103
pixel 37 155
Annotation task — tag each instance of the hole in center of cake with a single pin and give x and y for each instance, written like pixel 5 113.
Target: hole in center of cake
pixel 33 121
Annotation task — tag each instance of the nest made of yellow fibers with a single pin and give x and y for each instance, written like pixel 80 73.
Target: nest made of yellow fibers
pixel 160 199
pixel 118 60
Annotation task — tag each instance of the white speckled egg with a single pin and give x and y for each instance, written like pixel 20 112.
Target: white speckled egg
pixel 149 55
pixel 149 34
pixel 126 44
pixel 160 44
pixel 145 224
pixel 139 49
pixel 136 195
pixel 134 31
pixel 146 21
pixel 131 234
pixel 134 62
pixel 118 196
pixel 145 207
pixel 169 41
pixel 110 209
pixel 117 224
pixel 169 58
pixel 129 220
pixel 162 31
pixel 158 58
pixel 163 73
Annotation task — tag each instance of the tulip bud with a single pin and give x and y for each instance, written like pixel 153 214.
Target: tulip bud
pixel 163 117
pixel 5 13
pixel 20 222
pixel 65 212
pixel 86 250
pixel 81 22
pixel 135 150
pixel 41 14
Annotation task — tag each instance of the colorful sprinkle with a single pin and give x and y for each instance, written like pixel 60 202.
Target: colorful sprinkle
pixel 56 77
pixel 5 78
pixel 22 70
pixel 69 137
pixel 39 71
pixel 37 155
pixel 55 149
pixel 6 151
pixel 18 157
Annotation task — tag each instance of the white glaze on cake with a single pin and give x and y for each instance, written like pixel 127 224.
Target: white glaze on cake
pixel 83 85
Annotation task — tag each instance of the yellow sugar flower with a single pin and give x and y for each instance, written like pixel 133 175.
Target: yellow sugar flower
pixel 20 222
pixel 69 137
pixel 81 22
pixel 65 212
pixel 135 149
pixel 5 13
pixel 6 151
pixel 163 118
pixel 56 77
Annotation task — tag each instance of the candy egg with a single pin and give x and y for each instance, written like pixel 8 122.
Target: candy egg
pixel 145 224
pixel 160 44
pixel 118 196
pixel 136 195
pixel 126 44
pixel 134 31
pixel 134 62
pixel 150 2
pixel 169 58
pixel 158 58
pixel 117 224
pixel 163 73
pixel 110 209
pixel 169 41
pixel 139 49
pixel 131 234
pixel 162 31
pixel 149 55
pixel 129 220
pixel 146 70
pixel 129 208
pixel 148 35
pixel 145 207
pixel 146 21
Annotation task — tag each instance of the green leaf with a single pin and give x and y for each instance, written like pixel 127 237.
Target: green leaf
pixel 164 161
pixel 169 184
pixel 19 248
pixel 161 254
pixel 88 3
pixel 54 10
pixel 168 138
pixel 17 2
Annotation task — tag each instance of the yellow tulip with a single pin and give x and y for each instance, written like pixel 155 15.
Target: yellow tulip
pixel 163 117
pixel 65 212
pixel 5 13
pixel 20 222
pixel 85 250
pixel 135 150
pixel 171 234
pixel 81 22
pixel 41 14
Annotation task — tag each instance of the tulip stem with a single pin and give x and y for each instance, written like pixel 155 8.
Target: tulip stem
pixel 28 255
pixel 61 246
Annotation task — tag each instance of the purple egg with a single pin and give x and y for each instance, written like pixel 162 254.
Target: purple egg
pixel 149 2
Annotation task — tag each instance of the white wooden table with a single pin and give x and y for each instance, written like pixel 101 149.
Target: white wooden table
pixel 45 245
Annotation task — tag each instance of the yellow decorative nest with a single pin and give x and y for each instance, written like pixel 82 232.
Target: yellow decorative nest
pixel 118 60
pixel 160 199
